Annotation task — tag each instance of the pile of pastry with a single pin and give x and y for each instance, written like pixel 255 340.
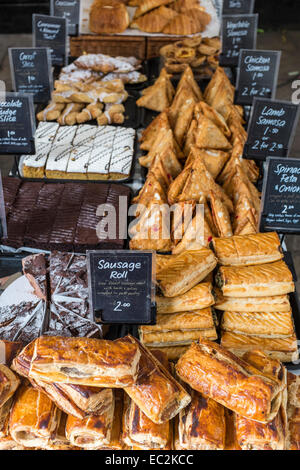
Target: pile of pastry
pixel 182 17
pixel 195 149
pixel 253 286
pixel 82 393
pixel 83 152
pixel 201 54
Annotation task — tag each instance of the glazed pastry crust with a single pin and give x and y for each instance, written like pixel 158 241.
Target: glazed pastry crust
pixel 277 303
pixel 245 250
pixel 172 352
pixel 184 271
pixel 85 361
pixel 9 383
pixel 177 337
pixel 284 350
pixel 196 320
pixel 199 297
pixel 263 324
pixel 256 281
pixel 156 392
pixel 220 375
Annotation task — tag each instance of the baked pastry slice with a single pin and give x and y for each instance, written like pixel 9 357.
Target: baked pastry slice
pixel 220 216
pixel 35 427
pixel 257 436
pixel 156 392
pixel 84 361
pixel 283 349
pixel 261 324
pixel 108 17
pixel 255 281
pixel 248 249
pixel 217 373
pixel 173 353
pixel 209 136
pixel 202 424
pixel 276 303
pixel 35 269
pixel 9 350
pixel 199 297
pixel 9 383
pixel 185 271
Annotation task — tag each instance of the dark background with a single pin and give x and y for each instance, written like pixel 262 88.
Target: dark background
pixel 15 15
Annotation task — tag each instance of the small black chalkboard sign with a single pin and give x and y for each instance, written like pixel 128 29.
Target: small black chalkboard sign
pixel 17 124
pixel 257 75
pixel 271 128
pixel 51 31
pixel 69 9
pixel 238 32
pixel 121 286
pixel 233 7
pixel 280 206
pixel 31 72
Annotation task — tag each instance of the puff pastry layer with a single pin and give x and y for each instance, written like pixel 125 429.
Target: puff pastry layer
pixel 199 297
pixel 276 303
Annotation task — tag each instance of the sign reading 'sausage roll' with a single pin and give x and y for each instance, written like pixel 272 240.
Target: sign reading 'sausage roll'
pixel 271 129
pixel 257 75
pixel 281 196
pixel 51 31
pixel 121 286
pixel 31 72
pixel 17 125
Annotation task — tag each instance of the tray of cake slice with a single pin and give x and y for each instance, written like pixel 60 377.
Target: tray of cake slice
pixel 83 152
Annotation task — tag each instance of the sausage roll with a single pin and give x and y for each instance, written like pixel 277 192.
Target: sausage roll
pixel 179 328
pixel 33 418
pixel 231 442
pixel 255 281
pixel 156 392
pixel 252 435
pixel 8 351
pixel 85 361
pixel 172 352
pixel 9 383
pixel 116 442
pixel 277 303
pixel 4 415
pixel 6 441
pixel 245 250
pixel 202 424
pixel 198 297
pixel 59 440
pixel 262 324
pixel 283 349
pixel 184 271
pixel 92 432
pixel 138 429
pixel 217 373
pixel 293 411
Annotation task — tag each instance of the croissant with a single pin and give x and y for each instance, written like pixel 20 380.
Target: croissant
pixel 181 25
pixel 148 5
pixel 155 21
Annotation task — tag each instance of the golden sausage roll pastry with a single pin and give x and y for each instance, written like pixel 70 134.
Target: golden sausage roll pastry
pixel 185 271
pixel 33 419
pixel 9 383
pixel 217 373
pixel 276 303
pixel 255 281
pixel 85 361
pixel 245 250
pixel 199 297
pixel 156 392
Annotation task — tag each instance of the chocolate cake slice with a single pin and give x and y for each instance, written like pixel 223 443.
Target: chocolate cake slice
pixel 22 322
pixel 35 269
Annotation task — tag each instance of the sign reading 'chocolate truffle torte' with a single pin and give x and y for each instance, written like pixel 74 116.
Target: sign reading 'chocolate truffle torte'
pixel 31 72
pixel 17 125
pixel 121 286
pixel 281 196
pixel 257 75
pixel 69 9
pixel 51 31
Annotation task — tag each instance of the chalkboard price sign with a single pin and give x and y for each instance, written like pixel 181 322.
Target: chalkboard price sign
pixel 31 72
pixel 281 196
pixel 51 31
pixel 17 125
pixel 69 9
pixel 232 7
pixel 257 75
pixel 238 32
pixel 121 286
pixel 271 128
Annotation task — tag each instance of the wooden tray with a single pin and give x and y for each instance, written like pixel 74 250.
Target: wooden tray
pixel 125 46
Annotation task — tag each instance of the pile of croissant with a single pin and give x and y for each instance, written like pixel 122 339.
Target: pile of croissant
pixel 195 147
pixel 82 393
pixel 180 17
